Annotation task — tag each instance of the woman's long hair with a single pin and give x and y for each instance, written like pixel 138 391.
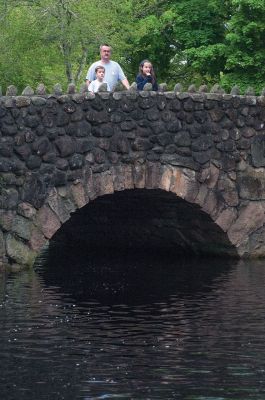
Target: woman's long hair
pixel 152 72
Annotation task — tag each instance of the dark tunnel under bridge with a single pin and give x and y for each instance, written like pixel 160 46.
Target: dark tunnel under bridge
pixel 144 219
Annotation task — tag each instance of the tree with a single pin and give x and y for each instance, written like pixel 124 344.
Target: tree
pixel 188 41
pixel 52 41
pixel 148 36
pixel 76 28
pixel 183 39
pixel 199 31
pixel 245 38
pixel 21 52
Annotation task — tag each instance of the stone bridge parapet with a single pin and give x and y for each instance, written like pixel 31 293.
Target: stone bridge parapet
pixel 57 153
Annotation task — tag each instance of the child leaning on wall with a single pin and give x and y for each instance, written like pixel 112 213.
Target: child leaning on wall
pixel 146 75
pixel 100 74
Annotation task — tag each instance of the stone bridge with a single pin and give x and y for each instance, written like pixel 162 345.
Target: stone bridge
pixel 183 171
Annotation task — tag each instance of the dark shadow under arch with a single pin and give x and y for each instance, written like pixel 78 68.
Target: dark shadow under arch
pixel 135 246
pixel 146 219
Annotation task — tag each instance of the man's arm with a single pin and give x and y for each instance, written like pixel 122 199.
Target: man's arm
pixel 121 76
pixel 88 82
pixel 126 83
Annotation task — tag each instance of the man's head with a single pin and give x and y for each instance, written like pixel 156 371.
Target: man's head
pixel 105 52
pixel 100 72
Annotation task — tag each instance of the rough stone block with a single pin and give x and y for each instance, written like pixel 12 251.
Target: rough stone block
pixel 182 181
pixel 139 176
pixel 47 221
pixel 21 227
pixel 76 161
pixel 61 205
pixel 37 240
pixel 128 176
pixel 251 184
pixel 210 176
pixel 6 219
pixel 2 244
pixel 258 151
pixel 201 157
pixel 19 252
pixel 141 144
pixel 22 101
pixel 119 181
pixel 106 185
pixel 78 194
pixel 202 194
pixel 210 205
pixel 249 220
pixel 26 210
pixel 152 175
pixel 226 218
pixel 65 146
pixel 166 176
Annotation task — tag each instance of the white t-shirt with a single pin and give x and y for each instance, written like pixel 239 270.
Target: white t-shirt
pixel 94 85
pixel 113 72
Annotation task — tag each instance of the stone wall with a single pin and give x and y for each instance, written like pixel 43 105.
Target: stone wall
pixel 58 152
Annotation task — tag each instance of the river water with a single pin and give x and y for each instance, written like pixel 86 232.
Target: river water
pixel 133 326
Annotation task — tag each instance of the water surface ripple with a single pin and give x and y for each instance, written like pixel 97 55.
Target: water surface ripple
pixel 133 327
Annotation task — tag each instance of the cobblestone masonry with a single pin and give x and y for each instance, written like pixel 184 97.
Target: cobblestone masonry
pixel 58 152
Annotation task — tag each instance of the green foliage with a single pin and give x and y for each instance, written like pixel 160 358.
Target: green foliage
pixel 199 33
pixel 52 41
pixel 245 38
pixel 179 37
pixel 188 41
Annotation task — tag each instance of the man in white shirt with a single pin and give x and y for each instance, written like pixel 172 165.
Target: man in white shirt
pixel 113 71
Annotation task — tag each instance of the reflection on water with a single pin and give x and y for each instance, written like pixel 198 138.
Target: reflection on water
pixel 133 326
pixel 127 276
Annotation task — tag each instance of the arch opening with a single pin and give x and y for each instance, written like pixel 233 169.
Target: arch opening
pixel 148 219
pixel 135 245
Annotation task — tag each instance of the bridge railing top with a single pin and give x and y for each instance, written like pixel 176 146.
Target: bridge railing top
pixel 28 95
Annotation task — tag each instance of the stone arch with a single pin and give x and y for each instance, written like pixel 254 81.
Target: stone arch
pixel 60 152
pixel 61 202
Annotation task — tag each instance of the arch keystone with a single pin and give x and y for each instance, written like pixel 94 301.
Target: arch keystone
pixel 122 177
pixel 152 178
pixel 165 180
pixel 183 184
pixel 139 176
